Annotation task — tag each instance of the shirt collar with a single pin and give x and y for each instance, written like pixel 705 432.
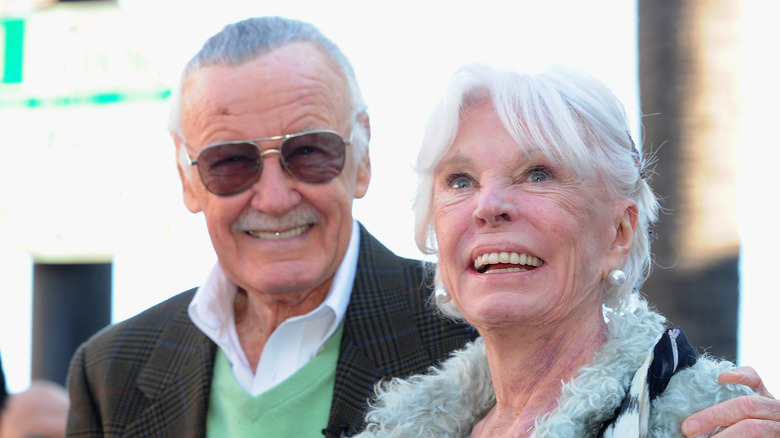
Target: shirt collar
pixel 211 310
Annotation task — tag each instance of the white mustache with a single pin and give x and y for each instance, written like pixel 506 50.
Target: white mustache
pixel 258 221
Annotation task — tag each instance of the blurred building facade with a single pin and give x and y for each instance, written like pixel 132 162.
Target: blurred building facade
pixel 691 103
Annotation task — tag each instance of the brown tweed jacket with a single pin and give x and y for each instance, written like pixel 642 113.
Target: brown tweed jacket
pixel 150 376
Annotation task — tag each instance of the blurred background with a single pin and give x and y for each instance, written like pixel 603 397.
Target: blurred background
pixel 93 229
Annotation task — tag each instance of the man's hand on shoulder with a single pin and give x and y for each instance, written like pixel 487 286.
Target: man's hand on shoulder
pixel 745 417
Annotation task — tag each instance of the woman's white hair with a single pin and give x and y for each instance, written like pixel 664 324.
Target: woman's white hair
pixel 571 117
pixel 244 41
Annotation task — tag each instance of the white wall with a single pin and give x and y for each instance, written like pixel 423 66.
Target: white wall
pixel 758 188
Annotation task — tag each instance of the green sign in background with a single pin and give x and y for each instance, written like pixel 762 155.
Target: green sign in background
pixel 12 66
pixel 13 49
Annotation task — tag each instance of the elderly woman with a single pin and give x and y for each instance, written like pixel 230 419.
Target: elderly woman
pixel 535 199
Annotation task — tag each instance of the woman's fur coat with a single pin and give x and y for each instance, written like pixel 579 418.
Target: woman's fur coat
pixel 450 400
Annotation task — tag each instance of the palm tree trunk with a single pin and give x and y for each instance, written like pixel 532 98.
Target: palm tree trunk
pixel 689 73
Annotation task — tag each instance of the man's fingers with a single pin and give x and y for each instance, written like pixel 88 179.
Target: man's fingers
pixel 751 429
pixel 747 376
pixel 760 415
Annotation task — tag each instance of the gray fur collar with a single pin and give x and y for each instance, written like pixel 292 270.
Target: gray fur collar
pixel 450 400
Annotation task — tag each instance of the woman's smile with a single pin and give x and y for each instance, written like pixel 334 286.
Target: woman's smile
pixel 498 262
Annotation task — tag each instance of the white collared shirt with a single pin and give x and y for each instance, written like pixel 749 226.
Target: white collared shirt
pixel 293 344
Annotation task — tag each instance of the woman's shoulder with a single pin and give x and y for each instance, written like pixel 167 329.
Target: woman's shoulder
pixel 443 402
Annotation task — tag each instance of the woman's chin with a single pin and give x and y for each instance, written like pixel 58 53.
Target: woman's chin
pixel 499 312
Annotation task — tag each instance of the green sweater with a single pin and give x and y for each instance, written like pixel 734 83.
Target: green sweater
pixel 297 407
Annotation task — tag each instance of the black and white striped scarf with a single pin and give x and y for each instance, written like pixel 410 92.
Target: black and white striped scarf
pixel 670 354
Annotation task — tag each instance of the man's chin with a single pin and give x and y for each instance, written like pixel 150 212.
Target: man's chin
pixel 278 279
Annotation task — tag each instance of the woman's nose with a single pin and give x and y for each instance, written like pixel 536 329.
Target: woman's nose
pixel 494 207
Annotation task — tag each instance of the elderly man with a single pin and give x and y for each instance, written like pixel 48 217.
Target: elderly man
pixel 305 311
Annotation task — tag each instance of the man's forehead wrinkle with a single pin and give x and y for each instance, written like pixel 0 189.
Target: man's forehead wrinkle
pixel 315 93
pixel 286 92
pixel 194 100
pixel 228 123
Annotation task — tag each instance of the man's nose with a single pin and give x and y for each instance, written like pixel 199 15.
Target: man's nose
pixel 274 191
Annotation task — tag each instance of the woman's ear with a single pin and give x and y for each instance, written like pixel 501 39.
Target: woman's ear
pixel 625 225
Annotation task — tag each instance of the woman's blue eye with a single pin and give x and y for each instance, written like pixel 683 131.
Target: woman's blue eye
pixel 459 181
pixel 538 174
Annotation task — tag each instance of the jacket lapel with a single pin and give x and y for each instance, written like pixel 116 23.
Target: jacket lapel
pixel 176 381
pixel 379 336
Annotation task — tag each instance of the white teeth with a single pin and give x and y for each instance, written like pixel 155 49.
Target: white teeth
pixel 498 271
pixel 273 235
pixel 506 257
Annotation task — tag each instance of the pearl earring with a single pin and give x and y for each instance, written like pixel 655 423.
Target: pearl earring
pixel 616 278
pixel 441 295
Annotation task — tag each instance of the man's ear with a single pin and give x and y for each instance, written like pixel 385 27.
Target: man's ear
pixel 362 118
pixel 187 176
pixel 363 171
pixel 363 176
